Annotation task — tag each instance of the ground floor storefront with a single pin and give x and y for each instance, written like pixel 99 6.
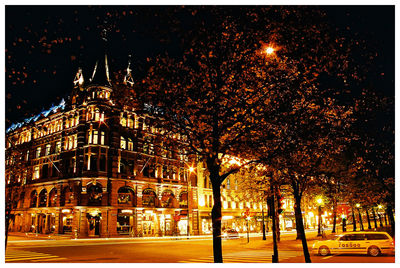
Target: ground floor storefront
pixel 79 222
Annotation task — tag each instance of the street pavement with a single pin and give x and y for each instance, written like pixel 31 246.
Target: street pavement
pixel 170 250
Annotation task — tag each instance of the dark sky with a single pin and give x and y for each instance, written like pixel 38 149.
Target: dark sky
pixel 45 45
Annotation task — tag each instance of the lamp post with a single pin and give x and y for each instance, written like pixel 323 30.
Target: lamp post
pixel 320 202
pixel 343 223
pixel 359 216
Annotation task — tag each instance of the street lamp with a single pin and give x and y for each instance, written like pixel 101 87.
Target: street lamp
pixel 343 223
pixel 359 216
pixel 320 203
pixel 269 50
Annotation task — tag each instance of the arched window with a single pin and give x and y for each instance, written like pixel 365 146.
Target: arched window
pixel 183 199
pixel 126 196
pixel 52 197
pixel 149 198
pixel 67 196
pixel 43 198
pixel 95 195
pixel 34 196
pixel 167 199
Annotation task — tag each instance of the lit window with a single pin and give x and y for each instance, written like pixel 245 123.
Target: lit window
pixel 123 120
pixel 228 184
pixel 58 147
pixel 97 115
pixel 102 138
pixel 36 171
pixel 130 144
pixel 130 122
pixel 70 142
pixel 123 143
pixel 75 141
pixel 90 137
pixel 47 152
pixel 38 152
pixel 236 184
pixel 27 156
pixel 95 137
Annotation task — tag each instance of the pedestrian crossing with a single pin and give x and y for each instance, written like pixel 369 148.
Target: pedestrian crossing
pixel 245 257
pixel 30 256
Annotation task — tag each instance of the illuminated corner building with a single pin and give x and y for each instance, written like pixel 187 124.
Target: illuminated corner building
pixel 90 167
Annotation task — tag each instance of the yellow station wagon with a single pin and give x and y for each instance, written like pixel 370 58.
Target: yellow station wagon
pixel 371 243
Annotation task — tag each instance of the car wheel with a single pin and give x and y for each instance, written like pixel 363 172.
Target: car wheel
pixel 324 251
pixel 374 251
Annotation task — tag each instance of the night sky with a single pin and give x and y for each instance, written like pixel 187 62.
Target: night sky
pixel 45 46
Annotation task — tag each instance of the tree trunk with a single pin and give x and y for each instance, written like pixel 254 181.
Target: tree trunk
pixel 360 218
pixel 374 215
pixel 385 217
pixel 334 216
pixel 216 216
pixel 300 225
pixel 275 258
pixel 391 218
pixel 380 219
pixel 354 220
pixel 369 221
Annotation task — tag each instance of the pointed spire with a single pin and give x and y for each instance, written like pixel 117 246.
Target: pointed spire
pixel 78 81
pixel 101 71
pixel 128 79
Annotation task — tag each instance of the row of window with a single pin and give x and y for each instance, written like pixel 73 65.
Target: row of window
pixel 70 142
pixel 149 148
pixel 94 194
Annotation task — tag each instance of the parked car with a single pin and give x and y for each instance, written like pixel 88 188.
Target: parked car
pixel 230 234
pixel 371 243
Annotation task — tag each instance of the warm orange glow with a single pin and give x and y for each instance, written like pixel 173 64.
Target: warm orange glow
pixel 269 50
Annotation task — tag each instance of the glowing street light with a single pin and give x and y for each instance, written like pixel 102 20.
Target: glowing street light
pixel 320 202
pixel 269 50
pixel 191 169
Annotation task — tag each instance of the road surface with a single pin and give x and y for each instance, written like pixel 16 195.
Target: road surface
pixel 167 250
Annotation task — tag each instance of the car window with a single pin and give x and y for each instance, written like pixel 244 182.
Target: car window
pixel 376 237
pixel 344 238
pixel 355 237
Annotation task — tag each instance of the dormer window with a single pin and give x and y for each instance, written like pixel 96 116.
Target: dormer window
pixel 123 120
pixel 123 143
